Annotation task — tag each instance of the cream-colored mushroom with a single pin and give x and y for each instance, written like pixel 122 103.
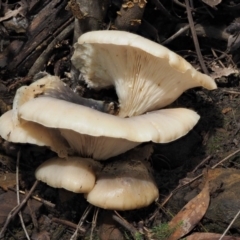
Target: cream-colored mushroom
pixel 99 135
pixel 124 185
pixel 74 174
pixel 19 131
pixel 33 133
pixel 146 75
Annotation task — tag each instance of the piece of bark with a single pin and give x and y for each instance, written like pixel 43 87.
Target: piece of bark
pixel 130 15
pixel 43 28
pixel 89 15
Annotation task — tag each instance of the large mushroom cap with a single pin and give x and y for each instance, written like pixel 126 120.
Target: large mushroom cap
pixel 74 174
pixel 101 135
pixel 123 185
pixel 146 75
pixel 33 133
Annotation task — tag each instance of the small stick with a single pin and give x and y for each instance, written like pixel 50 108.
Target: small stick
pixel 45 202
pixel 124 223
pixel 86 212
pixel 195 39
pixel 201 163
pixel 231 223
pixel 18 195
pixel 215 55
pixel 175 35
pixel 94 222
pixel 68 224
pixel 16 209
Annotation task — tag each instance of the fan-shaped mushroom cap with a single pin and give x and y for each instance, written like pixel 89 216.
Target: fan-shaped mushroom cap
pixel 74 174
pixel 123 185
pixel 33 133
pixel 100 135
pixel 19 131
pixel 39 87
pixel 146 75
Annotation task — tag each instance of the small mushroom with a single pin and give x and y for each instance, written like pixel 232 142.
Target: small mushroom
pixel 146 75
pixel 74 174
pixel 99 135
pixel 124 185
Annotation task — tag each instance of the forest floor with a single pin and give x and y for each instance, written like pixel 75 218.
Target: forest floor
pixel 198 176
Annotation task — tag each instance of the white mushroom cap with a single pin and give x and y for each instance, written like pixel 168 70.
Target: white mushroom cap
pixel 124 185
pixel 146 75
pixel 19 131
pixel 33 133
pixel 26 93
pixel 74 174
pixel 105 134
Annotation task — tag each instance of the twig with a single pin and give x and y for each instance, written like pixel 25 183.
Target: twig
pixel 124 223
pixel 18 195
pixel 195 39
pixel 69 224
pixel 45 202
pixel 16 209
pixel 215 55
pixel 226 158
pixel 86 212
pixel 42 59
pixel 175 35
pixel 231 223
pixel 201 163
pixel 94 222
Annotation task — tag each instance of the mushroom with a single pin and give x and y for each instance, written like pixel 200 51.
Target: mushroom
pixel 33 133
pixel 19 131
pixel 74 174
pixel 124 185
pixel 146 75
pixel 99 135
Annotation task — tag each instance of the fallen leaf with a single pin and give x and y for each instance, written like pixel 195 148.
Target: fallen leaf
pixel 190 215
pixel 226 110
pixel 209 236
pixel 219 72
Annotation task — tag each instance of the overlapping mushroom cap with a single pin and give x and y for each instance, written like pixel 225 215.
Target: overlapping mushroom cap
pixel 14 129
pixel 146 75
pixel 124 185
pixel 99 135
pixel 74 174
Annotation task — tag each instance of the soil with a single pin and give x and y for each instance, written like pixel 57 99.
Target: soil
pixel 24 52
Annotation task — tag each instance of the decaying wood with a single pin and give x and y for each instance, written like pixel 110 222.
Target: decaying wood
pixel 51 19
pixel 130 15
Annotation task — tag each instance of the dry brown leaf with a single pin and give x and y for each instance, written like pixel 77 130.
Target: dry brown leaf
pixel 226 110
pixel 219 72
pixel 11 13
pixel 7 180
pixel 209 236
pixel 191 214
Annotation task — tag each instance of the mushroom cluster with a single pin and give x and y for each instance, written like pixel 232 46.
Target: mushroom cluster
pixel 146 76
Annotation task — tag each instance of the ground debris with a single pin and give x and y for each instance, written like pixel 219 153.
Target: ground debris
pixel 8 201
pixel 190 215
